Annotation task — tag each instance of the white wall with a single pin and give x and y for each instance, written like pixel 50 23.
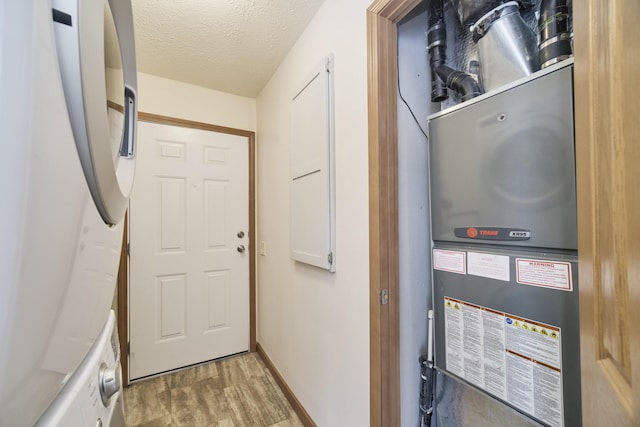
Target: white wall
pixel 180 100
pixel 314 325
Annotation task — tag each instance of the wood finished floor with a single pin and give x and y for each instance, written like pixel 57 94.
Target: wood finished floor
pixel 233 392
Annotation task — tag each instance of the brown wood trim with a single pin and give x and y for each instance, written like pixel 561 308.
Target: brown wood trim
pixel 123 283
pixel 252 243
pixel 382 20
pixel 304 416
pixel 115 106
pixel 123 303
pixel 166 120
pixel 156 118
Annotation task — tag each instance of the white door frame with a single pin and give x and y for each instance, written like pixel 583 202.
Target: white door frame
pixel 123 279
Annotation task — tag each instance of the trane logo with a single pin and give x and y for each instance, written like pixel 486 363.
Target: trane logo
pixel 488 232
pixel 519 234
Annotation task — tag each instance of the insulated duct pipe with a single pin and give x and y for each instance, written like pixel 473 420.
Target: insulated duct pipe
pixel 457 81
pixel 555 37
pixel 460 82
pixel 437 49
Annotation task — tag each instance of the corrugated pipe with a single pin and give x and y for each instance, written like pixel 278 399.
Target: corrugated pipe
pixel 555 37
pixel 457 81
pixel 437 49
pixel 460 82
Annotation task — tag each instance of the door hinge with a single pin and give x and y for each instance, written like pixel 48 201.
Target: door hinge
pixel 128 249
pixel 128 348
pixel 330 257
pixel 384 297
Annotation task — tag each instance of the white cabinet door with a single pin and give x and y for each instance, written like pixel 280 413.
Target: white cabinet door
pixel 312 182
pixel 189 284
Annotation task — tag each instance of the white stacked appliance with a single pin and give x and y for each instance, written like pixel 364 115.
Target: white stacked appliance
pixel 65 177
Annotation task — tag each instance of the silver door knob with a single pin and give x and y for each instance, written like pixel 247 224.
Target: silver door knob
pixel 240 234
pixel 241 249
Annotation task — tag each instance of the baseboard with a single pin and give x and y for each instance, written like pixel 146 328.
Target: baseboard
pixel 293 400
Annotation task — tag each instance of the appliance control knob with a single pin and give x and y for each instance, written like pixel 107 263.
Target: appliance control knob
pixel 110 381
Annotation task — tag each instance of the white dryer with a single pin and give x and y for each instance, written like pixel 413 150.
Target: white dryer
pixel 66 171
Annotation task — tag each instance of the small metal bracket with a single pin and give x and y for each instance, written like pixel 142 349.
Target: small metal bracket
pixel 384 297
pixel 330 258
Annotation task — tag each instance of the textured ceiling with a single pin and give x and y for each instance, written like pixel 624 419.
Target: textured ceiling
pixel 229 45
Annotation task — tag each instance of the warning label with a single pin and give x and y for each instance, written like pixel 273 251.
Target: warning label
pixel 451 261
pixel 515 359
pixel 547 274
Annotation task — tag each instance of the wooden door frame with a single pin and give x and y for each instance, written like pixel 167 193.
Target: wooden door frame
pixel 384 334
pixel 123 276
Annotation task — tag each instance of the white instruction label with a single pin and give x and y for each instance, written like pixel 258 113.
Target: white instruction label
pixel 515 359
pixel 488 265
pixel 451 261
pixel 546 274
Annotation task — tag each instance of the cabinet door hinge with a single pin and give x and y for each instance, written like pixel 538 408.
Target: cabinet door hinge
pixel 384 297
pixel 330 258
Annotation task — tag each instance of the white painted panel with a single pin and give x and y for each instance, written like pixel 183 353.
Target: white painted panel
pixel 310 126
pixel 310 241
pixel 218 293
pixel 413 214
pixel 171 150
pixel 215 155
pixel 312 182
pixel 171 306
pixel 215 208
pixel 172 213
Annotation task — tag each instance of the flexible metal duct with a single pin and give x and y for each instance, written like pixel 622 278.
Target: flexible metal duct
pixel 555 34
pixel 469 11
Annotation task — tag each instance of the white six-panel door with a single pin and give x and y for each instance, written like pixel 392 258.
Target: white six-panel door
pixel 189 280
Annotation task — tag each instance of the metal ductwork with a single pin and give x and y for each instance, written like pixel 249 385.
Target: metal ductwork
pixel 555 34
pixel 469 11
pixel 507 46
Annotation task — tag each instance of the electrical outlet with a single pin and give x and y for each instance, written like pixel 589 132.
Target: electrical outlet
pixel 263 248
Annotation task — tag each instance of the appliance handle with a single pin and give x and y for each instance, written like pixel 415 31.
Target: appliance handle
pixel 79 31
pixel 123 20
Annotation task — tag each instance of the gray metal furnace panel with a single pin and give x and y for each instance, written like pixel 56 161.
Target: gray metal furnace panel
pixel 477 344
pixel 507 163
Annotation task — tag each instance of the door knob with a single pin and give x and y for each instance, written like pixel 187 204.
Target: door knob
pixel 240 234
pixel 241 249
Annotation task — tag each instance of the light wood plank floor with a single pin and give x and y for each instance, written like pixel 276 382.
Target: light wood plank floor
pixel 233 392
